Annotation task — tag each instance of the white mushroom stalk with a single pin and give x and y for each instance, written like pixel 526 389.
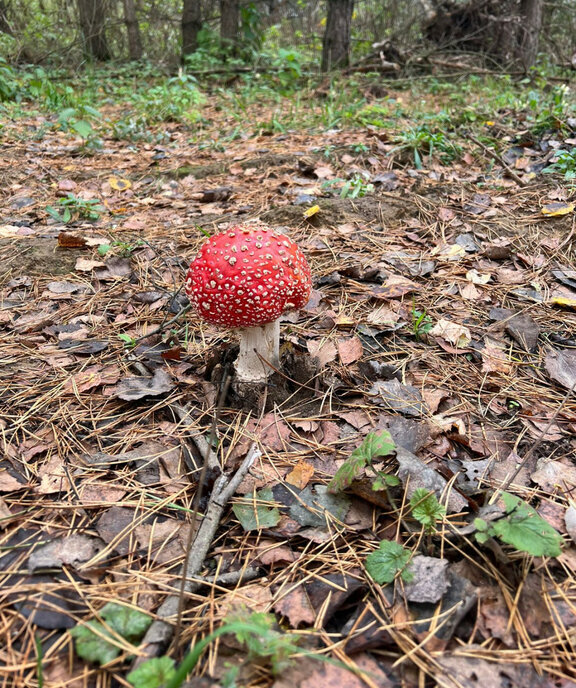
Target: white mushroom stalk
pixel 245 278
pixel 259 354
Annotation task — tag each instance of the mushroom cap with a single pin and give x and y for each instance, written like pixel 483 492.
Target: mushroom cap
pixel 248 276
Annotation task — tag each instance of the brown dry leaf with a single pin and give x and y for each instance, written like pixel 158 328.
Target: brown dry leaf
pixel 68 240
pixel 471 672
pixel 452 332
pixel 553 475
pixel 310 673
pixel 349 349
pixel 254 596
pixel 69 550
pixel 86 265
pixel 132 388
pixel 300 475
pixel 561 366
pixel 271 552
pixel 53 477
pixel 322 349
pixel 9 483
pixel 494 616
pixel 91 377
pixel 494 357
pixel 296 607
pixel 99 493
pixel 469 292
pixel 273 432
pixel 395 287
pixel 115 526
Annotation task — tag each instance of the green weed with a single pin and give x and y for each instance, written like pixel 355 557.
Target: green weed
pixel 74 208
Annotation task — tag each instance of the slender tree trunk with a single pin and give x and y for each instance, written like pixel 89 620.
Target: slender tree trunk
pixel 336 43
pixel 191 25
pixel 229 24
pixel 529 28
pixel 92 21
pixel 5 26
pixel 132 30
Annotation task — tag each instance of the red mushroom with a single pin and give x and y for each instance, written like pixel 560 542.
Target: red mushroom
pixel 245 278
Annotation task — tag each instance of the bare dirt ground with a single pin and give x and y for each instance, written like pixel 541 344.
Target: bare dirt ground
pixel 442 310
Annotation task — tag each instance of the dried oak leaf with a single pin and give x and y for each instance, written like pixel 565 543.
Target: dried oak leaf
pixel 561 366
pixel 132 388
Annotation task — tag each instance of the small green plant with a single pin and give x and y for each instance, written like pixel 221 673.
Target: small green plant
pixel 388 561
pixel 521 527
pixel 173 100
pixel 102 642
pixel 422 141
pixel 357 187
pixel 375 445
pixel 77 119
pixel 73 208
pixel 129 342
pixel 9 85
pixel 564 162
pixel 122 248
pixel 426 509
pixel 255 631
pixel 421 323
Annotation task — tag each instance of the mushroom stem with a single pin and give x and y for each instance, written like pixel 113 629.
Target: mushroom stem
pixel 259 352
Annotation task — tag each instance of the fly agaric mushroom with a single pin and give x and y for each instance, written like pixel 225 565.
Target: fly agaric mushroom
pixel 245 278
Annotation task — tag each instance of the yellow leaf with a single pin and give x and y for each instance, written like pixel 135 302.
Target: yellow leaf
pixel 556 209
pixel 312 211
pixel 563 302
pixel 119 184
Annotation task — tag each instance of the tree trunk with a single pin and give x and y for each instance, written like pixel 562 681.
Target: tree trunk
pixel 229 23
pixel 336 42
pixel 5 26
pixel 191 25
pixel 529 32
pixel 92 21
pixel 132 30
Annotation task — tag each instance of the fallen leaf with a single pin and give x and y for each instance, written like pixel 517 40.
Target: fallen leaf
pixel 494 357
pixel 69 550
pixel 255 596
pixel 300 475
pixel 570 521
pixel 557 209
pixel 349 349
pixel 296 607
pixel 561 366
pixel 312 211
pixel 452 332
pixel 132 388
pixel 322 349
pixel 393 395
pixel 53 477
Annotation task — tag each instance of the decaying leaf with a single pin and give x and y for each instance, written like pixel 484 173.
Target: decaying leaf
pixel 452 332
pixel 133 388
pixel 561 366
pixel 69 550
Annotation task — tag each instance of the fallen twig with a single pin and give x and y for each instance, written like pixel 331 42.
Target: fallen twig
pixel 499 160
pixel 160 632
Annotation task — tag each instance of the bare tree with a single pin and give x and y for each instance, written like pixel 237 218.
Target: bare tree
pixel 92 15
pixel 132 30
pixel 191 25
pixel 336 42
pixel 229 24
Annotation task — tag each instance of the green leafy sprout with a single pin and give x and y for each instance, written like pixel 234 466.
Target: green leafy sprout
pixel 375 445
pixel 72 208
pixel 426 509
pixel 388 561
pixel 522 528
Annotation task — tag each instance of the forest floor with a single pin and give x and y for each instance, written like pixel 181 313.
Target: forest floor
pixel 442 312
